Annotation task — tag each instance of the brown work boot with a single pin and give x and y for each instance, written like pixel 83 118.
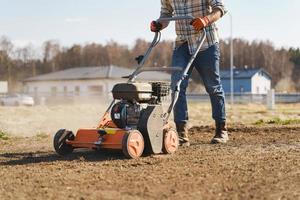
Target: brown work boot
pixel 182 131
pixel 221 134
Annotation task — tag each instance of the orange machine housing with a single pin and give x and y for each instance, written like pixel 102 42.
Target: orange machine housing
pixel 92 139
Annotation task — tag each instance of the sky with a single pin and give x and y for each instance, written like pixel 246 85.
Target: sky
pixel 123 21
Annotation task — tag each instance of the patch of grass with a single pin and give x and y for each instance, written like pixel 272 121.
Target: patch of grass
pixel 259 122
pixel 277 121
pixel 42 135
pixel 3 135
pixel 291 121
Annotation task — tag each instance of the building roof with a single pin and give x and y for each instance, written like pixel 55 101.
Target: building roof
pixel 243 73
pixel 105 72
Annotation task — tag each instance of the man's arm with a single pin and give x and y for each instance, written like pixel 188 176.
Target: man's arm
pixel 218 10
pixel 215 15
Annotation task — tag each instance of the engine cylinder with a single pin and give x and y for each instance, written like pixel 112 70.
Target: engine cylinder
pixel 125 114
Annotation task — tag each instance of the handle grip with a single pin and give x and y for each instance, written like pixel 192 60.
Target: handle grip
pixel 176 18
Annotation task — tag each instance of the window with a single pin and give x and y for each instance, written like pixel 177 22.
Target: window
pixel 257 89
pixel 53 91
pixel 77 90
pixel 65 91
pixel 36 91
pixel 95 89
pixel 241 89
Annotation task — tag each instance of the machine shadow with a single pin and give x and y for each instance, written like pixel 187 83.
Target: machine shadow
pixel 49 156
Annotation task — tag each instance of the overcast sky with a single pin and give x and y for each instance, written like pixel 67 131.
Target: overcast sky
pixel 81 21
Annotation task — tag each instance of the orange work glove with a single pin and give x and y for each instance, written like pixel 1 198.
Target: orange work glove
pixel 155 26
pixel 200 22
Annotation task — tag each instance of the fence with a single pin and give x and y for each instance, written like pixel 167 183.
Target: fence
pixel 251 98
pixel 242 98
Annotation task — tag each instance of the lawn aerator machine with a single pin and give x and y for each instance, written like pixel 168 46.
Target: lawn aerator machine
pixel 135 121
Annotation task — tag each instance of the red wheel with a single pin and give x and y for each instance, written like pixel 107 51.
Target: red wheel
pixel 170 142
pixel 133 144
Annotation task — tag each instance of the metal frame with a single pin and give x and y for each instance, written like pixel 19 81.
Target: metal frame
pixel 155 41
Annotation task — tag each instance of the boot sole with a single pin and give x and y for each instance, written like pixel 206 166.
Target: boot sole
pixel 219 141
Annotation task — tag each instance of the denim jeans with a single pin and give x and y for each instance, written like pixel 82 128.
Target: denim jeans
pixel 207 65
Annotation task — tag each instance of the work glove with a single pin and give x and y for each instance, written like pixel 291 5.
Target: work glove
pixel 155 26
pixel 199 23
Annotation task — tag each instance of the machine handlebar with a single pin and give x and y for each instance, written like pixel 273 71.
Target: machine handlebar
pixel 141 59
pixel 176 18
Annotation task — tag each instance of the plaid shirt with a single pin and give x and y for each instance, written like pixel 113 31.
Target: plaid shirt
pixel 196 8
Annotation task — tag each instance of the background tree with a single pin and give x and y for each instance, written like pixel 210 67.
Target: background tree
pixel 51 49
pixel 19 63
pixel 295 58
pixel 6 48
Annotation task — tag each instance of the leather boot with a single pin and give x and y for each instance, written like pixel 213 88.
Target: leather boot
pixel 182 131
pixel 221 134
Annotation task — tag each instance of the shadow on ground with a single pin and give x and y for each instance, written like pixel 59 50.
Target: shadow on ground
pixel 240 135
pixel 44 157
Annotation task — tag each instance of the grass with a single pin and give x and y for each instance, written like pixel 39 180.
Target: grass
pixel 259 122
pixel 42 135
pixel 3 135
pixel 277 121
pixel 249 114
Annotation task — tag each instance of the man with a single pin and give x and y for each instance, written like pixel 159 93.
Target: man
pixel 205 13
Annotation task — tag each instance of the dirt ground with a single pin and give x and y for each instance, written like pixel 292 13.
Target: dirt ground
pixel 261 161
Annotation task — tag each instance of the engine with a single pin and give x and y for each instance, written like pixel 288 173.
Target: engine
pixel 133 98
pixel 126 114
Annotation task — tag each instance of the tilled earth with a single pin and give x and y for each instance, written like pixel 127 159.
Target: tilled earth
pixel 261 162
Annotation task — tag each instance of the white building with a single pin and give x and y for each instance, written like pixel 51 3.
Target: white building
pixel 83 81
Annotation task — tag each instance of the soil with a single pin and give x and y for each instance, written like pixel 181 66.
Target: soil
pixel 259 162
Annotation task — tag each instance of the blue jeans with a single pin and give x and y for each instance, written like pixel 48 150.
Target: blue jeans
pixel 207 65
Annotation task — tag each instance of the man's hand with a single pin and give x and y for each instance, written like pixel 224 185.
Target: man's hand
pixel 200 23
pixel 155 26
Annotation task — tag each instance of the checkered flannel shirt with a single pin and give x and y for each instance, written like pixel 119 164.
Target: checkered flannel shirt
pixel 196 8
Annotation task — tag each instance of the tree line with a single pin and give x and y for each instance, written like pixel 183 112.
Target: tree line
pixel 17 64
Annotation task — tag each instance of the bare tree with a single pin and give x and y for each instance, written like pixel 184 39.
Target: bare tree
pixel 6 48
pixel 51 49
pixel 23 62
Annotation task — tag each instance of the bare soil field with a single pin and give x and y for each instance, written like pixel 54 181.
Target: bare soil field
pixel 261 161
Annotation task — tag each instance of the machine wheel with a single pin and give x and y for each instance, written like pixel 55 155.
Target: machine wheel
pixel 133 144
pixel 170 142
pixel 59 142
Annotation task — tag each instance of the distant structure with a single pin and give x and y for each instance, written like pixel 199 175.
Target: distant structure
pixel 3 87
pixel 251 81
pixel 83 81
